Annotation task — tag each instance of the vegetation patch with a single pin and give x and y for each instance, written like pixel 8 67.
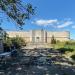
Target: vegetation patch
pixel 73 57
pixel 65 46
pixel 13 43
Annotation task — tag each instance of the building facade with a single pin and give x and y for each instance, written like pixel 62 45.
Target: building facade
pixel 2 33
pixel 40 36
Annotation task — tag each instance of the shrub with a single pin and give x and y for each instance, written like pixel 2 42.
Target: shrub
pixel 49 55
pixel 7 44
pixel 63 50
pixel 70 42
pixel 53 40
pixel 73 57
pixel 11 43
pixel 65 46
pixel 18 42
pixel 59 45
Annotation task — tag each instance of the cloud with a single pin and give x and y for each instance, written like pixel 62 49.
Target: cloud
pixel 65 24
pixel 42 22
pixel 55 23
pixel 73 26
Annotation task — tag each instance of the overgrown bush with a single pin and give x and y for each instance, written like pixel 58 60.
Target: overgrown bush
pixel 53 40
pixel 63 50
pixel 71 42
pixel 18 42
pixel 59 44
pixel 13 43
pixel 65 46
pixel 7 44
pixel 73 57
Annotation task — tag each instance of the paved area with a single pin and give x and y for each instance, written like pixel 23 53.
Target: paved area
pixel 37 45
pixel 38 62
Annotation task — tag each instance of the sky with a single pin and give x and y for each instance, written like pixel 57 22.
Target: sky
pixel 50 15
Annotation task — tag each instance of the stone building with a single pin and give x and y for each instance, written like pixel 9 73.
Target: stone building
pixel 2 32
pixel 40 36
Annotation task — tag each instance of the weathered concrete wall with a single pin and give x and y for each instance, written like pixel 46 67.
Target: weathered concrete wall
pixel 25 35
pixel 40 35
pixel 61 36
pixel 18 33
pixel 58 34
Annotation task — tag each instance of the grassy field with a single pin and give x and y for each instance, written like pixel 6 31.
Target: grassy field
pixel 67 45
pixel 67 48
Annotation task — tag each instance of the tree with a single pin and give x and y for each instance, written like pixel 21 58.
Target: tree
pixel 18 42
pixel 53 41
pixel 73 57
pixel 7 44
pixel 17 10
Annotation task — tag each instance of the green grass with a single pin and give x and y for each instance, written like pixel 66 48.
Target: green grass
pixel 70 46
pixel 63 46
pixel 59 45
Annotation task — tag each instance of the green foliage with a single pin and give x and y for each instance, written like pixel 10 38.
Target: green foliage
pixel 59 45
pixel 17 10
pixel 49 55
pixel 18 42
pixel 65 46
pixel 73 57
pixel 65 74
pixel 53 41
pixel 70 44
pixel 63 50
pixel 10 43
pixel 7 44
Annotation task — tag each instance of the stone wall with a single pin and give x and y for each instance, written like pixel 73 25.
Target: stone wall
pixel 40 36
pixel 61 36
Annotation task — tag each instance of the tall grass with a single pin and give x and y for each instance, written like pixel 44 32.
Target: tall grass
pixel 66 45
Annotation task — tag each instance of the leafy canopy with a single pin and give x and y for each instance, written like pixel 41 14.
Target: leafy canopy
pixel 53 40
pixel 17 10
